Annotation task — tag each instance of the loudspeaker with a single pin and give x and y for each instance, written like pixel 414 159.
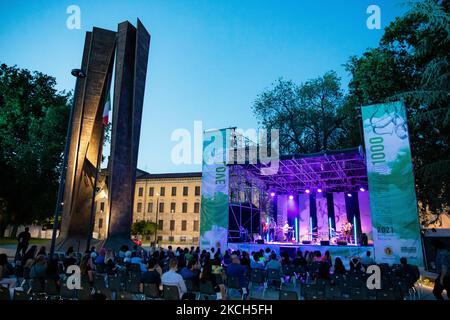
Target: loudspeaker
pixel 260 241
pixel 306 242
pixel 342 243
pixel 324 243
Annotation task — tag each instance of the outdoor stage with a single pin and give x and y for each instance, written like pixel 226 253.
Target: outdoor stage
pixel 344 252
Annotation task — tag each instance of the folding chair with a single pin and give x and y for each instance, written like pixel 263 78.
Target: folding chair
pixel 99 281
pixel 385 295
pixel 21 295
pixel 66 293
pixel 106 292
pixel 192 287
pixel 37 289
pixel 84 293
pixel 287 295
pixel 171 293
pixel 4 294
pixel 273 275
pixel 234 284
pixel 114 283
pixel 123 295
pixel 151 291
pixel 207 290
pixel 51 289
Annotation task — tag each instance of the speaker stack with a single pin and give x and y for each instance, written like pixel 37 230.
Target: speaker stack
pixel 342 243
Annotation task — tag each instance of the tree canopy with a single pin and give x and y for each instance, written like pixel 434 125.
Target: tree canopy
pixel 33 127
pixel 411 63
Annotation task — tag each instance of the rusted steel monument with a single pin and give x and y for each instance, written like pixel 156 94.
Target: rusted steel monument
pixel 130 47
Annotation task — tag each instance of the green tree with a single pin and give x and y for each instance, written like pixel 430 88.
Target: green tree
pixel 309 116
pixel 412 64
pixel 33 126
pixel 143 228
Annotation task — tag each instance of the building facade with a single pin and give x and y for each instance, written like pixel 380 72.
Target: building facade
pixel 171 200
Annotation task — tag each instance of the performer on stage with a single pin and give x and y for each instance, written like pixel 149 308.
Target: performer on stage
pixel 272 226
pixel 347 231
pixel 264 228
pixel 286 231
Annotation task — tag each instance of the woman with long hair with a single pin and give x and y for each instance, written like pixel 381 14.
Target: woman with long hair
pixel 87 267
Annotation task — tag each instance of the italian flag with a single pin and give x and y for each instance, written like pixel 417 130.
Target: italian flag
pixel 107 109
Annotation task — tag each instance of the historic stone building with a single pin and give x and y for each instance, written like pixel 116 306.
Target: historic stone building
pixel 172 200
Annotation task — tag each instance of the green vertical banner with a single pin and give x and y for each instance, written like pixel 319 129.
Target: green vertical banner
pixel 215 180
pixel 395 219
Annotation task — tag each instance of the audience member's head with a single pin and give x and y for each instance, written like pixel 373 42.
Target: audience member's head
pixel 173 264
pixel 403 261
pixel 368 253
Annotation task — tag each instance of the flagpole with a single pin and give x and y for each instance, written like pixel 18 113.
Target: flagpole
pixel 94 190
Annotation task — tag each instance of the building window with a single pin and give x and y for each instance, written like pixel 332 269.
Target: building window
pixel 160 224
pixel 171 238
pixel 185 191
pixel 139 207
pixel 151 191
pixel 102 206
pixel 100 223
pixel 196 207
pixel 196 225
pixel 183 225
pixel 184 207
pixel 150 207
pixel 172 225
pixel 197 190
pixel 161 207
pixel 160 238
pixel 174 191
pixel 162 191
pixel 183 239
pixel 141 192
pixel 172 207
pixel 195 239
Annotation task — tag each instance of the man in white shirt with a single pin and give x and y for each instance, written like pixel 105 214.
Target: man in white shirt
pixel 172 278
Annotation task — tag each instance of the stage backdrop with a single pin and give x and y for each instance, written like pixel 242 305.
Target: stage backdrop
pixel 214 208
pixel 393 201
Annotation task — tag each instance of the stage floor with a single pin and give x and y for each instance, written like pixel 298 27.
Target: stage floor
pixel 344 252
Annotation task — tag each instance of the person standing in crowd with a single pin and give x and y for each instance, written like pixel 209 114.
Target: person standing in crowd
pixel 23 241
pixel 442 282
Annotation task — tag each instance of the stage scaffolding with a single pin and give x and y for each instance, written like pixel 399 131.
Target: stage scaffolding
pixel 332 171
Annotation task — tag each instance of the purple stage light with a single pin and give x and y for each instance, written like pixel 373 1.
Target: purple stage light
pixel 319 190
pixel 307 191
pixel 362 189
pixel 291 197
pixel 349 195
pixel 272 194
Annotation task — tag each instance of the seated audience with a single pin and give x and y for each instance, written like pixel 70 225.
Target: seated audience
pixel 172 278
pixel 367 260
pixel 6 279
pixel 339 267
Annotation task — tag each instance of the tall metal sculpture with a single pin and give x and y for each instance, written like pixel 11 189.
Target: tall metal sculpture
pixel 131 46
pixel 131 68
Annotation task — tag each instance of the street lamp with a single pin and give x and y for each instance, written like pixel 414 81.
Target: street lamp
pixel 78 74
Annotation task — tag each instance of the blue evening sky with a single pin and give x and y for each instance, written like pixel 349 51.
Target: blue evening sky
pixel 208 59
